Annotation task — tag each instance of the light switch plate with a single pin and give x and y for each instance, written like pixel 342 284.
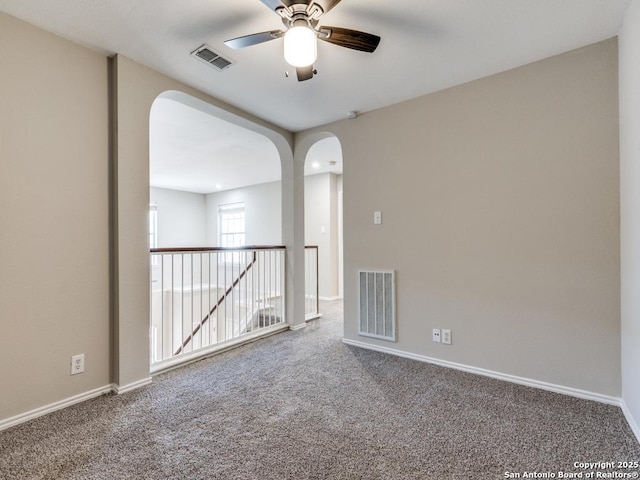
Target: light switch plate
pixel 377 218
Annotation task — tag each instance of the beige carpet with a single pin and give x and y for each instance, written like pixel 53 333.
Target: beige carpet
pixel 302 405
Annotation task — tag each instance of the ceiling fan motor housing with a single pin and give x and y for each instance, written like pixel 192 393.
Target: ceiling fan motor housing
pixel 297 13
pixel 304 17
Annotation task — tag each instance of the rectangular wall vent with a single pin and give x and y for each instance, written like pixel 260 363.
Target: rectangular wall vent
pixel 213 58
pixel 377 304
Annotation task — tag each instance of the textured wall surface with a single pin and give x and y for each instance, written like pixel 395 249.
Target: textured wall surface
pixel 54 239
pixel 630 209
pixel 500 208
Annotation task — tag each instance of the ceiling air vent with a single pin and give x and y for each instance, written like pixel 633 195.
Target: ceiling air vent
pixel 207 54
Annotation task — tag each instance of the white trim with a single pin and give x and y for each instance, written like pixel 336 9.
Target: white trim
pixel 118 390
pixel 330 299
pixel 52 407
pixel 630 420
pixel 299 326
pixel 573 392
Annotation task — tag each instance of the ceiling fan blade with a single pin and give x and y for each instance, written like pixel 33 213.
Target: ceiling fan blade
pixel 273 4
pixel 253 39
pixel 327 4
pixel 304 73
pixel 345 37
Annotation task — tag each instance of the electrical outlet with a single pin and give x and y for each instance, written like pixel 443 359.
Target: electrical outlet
pixel 436 335
pixel 77 364
pixel 446 337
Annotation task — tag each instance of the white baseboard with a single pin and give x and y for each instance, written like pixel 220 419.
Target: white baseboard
pixel 67 402
pixel 44 410
pixel 299 326
pixel 329 299
pixel 630 420
pixel 188 358
pixel 573 392
pixel 119 390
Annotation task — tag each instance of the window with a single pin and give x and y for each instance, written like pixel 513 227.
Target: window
pixel 231 224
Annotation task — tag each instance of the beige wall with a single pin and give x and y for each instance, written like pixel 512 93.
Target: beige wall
pixel 181 217
pixel 54 250
pixel 264 221
pixel 56 290
pixel 321 228
pixel 500 211
pixel 630 211
pixel 136 88
pixel 499 200
pixel 263 213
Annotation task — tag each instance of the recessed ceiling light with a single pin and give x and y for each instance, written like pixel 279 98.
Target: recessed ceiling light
pixel 218 186
pixel 315 165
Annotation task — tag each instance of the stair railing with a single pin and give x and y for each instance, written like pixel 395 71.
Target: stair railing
pixel 222 298
pixel 202 298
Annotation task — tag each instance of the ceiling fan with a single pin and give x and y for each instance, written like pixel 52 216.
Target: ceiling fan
pixel 302 30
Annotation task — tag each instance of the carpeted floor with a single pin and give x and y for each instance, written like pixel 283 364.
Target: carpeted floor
pixel 302 405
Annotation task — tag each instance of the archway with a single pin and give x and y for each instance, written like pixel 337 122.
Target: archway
pixel 212 163
pixel 135 88
pixel 323 212
pixel 213 184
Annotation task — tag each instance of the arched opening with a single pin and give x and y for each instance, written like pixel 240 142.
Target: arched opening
pixel 136 88
pixel 193 151
pixel 323 215
pixel 217 260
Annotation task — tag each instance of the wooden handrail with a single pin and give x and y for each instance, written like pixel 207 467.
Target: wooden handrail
pixel 216 249
pixel 218 303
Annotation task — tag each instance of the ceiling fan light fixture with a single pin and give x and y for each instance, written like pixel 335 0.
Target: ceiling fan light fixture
pixel 302 30
pixel 300 46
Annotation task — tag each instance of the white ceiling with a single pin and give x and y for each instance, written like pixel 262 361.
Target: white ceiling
pixel 193 151
pixel 427 45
